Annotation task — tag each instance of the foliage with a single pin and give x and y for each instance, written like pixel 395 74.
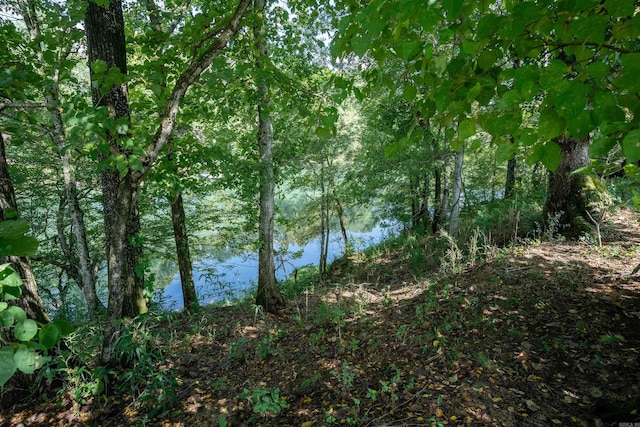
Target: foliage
pixel 25 343
pixel 265 400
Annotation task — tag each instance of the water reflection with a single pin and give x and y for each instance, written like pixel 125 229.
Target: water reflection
pixel 225 280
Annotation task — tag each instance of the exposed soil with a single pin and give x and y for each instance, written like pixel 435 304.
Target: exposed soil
pixel 535 335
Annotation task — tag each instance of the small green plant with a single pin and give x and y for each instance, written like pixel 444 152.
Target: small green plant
pixel 401 333
pixel 353 344
pixel 307 382
pixel 386 299
pixel 610 338
pixel 331 315
pixel 267 347
pixel 345 376
pixel 237 349
pixel 27 345
pixel 265 400
pixel 316 337
pixel 220 383
pixel 138 350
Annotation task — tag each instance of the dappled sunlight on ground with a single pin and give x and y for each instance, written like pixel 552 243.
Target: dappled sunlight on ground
pixel 540 335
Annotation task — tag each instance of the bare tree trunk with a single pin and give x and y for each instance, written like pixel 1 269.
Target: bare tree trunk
pixel 437 201
pixel 510 181
pixel 182 249
pixel 324 223
pixel 444 207
pixel 268 295
pixel 343 227
pixel 457 194
pixel 29 300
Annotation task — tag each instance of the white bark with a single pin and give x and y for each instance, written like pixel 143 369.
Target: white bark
pixel 456 200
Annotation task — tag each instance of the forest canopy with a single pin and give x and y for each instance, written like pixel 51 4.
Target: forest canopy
pixel 140 138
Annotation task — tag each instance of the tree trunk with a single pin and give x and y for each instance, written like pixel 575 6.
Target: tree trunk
pixel 422 216
pixel 106 42
pixel 510 182
pixel 437 201
pixel 568 195
pixel 343 227
pixel 324 223
pixel 29 300
pixel 457 194
pixel 182 249
pixel 268 296
pixel 84 276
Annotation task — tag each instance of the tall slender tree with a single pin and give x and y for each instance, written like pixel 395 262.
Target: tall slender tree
pixel 80 257
pixel 268 295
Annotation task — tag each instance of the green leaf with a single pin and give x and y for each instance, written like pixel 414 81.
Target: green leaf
pixel 505 151
pixel 550 124
pixel 6 318
pixel 601 146
pixel 323 132
pixel 25 360
pixel 631 170
pixel 8 276
pixel 467 129
pixel 18 314
pixel 453 8
pixel 631 146
pixel 64 325
pixel 397 147
pixel 49 335
pixel 99 66
pixel 13 240
pixel 360 44
pixel 428 17
pixel 25 330
pixel 3 305
pixel 135 163
pixel 7 365
pixel 549 154
pixel 409 92
pixel 410 49
pixel 620 7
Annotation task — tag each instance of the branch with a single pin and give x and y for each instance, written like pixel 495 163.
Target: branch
pixel 588 44
pixel 4 105
pixel 186 79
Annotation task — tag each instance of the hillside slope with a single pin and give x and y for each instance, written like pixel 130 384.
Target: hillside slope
pixel 536 335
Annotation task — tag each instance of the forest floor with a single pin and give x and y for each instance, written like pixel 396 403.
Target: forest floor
pixel 539 334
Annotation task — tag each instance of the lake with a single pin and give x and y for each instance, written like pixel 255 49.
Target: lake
pixel 228 279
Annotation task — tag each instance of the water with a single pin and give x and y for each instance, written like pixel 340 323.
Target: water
pixel 225 280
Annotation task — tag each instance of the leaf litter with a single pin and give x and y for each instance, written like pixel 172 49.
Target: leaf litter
pixel 538 335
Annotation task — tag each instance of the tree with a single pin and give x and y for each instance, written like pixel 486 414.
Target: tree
pixel 79 255
pixel 268 295
pixel 576 66
pixel 130 163
pixel 106 48
pixel 29 299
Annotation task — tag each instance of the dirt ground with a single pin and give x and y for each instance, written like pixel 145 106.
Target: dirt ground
pixel 540 334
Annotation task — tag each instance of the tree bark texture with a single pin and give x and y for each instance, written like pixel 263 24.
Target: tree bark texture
pixel 178 220
pixel 268 296
pixel 437 201
pixel 567 195
pixel 456 198
pixel 29 300
pixel 510 181
pixel 106 42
